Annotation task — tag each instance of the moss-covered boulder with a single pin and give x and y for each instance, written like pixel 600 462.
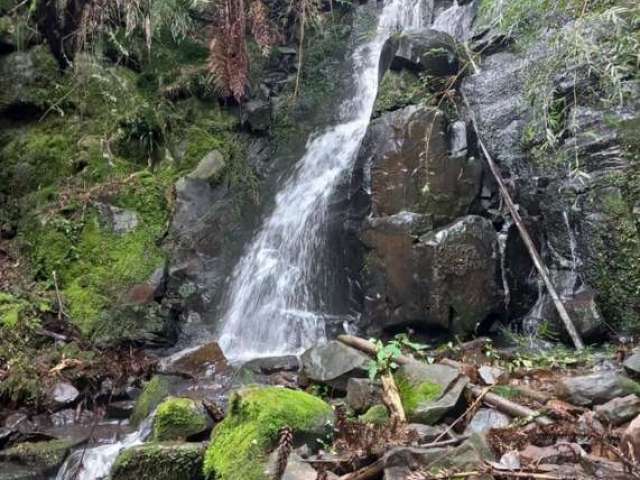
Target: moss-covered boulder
pixel 160 461
pixel 43 457
pixel 241 442
pixel 156 390
pixel 180 419
pixel 422 391
pixel 27 81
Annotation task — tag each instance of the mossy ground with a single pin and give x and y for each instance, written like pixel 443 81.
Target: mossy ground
pixel 377 415
pixel 240 443
pixel 178 419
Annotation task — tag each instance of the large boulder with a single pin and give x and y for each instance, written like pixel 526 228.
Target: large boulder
pixel 448 278
pixel 41 459
pixel 406 153
pixel 619 410
pixel 160 461
pixel 432 52
pixel 334 363
pixel 241 442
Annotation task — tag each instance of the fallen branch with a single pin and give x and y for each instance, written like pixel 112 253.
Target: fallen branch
pixel 367 347
pixel 391 398
pixel 366 473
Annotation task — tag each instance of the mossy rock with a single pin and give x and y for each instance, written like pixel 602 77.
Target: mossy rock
pixel 160 461
pixel 377 415
pixel 43 456
pixel 398 90
pixel 27 80
pixel 155 391
pixel 241 442
pixel 179 419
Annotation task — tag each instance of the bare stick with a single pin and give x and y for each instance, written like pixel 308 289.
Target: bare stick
pixel 533 251
pixel 367 347
pixel 366 473
pixel 58 297
pixel 391 398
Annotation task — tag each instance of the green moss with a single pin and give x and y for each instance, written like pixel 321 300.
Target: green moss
pixel 156 390
pixel 240 443
pixel 398 90
pixel 160 461
pixel 178 419
pixel 45 455
pixel 414 395
pixel 377 415
pixel 506 391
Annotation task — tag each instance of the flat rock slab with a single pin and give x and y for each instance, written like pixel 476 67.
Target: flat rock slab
pixel 632 364
pixel 197 361
pixel 486 419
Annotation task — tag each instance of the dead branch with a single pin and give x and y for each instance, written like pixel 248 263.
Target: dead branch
pixel 391 398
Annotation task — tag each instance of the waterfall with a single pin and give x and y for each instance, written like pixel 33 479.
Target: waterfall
pixel 276 299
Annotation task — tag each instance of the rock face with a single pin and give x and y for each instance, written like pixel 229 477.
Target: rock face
pixel 424 262
pixel 619 410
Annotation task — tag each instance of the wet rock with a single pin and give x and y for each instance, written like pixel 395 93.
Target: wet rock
pixel 180 419
pixel 362 393
pixel 269 365
pixel 485 419
pixel 121 410
pixel 334 363
pixel 428 51
pixel 405 178
pixel 154 392
pixel 207 360
pixel 257 115
pixel 460 265
pixel 116 219
pixel 632 364
pixel 150 291
pixel 64 394
pixel 619 410
pixel 591 389
pixel 160 461
pixel 630 443
pixel 210 167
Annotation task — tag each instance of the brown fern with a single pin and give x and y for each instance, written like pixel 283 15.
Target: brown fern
pixel 285 446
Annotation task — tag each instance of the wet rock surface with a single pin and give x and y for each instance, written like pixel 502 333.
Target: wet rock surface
pixel 333 363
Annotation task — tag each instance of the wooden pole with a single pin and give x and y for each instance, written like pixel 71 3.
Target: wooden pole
pixel 533 252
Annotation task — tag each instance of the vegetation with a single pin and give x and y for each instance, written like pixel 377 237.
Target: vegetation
pixel 155 391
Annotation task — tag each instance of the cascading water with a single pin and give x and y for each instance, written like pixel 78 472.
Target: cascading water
pixel 95 463
pixel 275 301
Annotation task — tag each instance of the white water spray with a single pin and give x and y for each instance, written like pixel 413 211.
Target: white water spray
pixel 275 303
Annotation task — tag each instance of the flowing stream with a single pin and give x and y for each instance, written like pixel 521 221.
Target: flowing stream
pixel 276 296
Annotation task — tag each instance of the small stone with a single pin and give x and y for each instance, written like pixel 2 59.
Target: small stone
pixel 632 364
pixel 119 220
pixel 426 433
pixel 619 410
pixel 362 393
pixel 486 419
pixel 210 167
pixel 64 394
pixel 490 375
